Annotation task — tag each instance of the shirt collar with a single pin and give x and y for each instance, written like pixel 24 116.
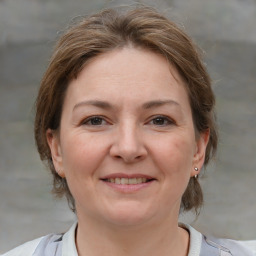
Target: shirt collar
pixel 195 240
pixel 69 244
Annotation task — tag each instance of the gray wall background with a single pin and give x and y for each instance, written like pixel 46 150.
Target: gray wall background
pixel 226 30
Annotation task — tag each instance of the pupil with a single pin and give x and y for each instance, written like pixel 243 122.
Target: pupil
pixel 159 121
pixel 96 121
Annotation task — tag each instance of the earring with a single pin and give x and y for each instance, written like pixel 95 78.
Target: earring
pixel 196 169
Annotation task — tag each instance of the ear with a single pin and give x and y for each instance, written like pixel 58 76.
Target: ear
pixel 54 144
pixel 199 156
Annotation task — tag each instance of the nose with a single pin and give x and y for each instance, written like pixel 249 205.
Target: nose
pixel 128 144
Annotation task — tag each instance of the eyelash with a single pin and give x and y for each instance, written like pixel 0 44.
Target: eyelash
pixel 167 121
pixel 93 118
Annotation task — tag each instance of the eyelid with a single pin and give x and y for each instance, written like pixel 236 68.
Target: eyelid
pixel 170 120
pixel 87 119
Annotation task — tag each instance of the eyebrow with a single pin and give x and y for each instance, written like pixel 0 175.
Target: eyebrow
pixel 159 103
pixel 96 103
pixel 106 105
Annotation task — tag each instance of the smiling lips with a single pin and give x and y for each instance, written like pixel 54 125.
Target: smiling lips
pixel 122 179
pixel 128 181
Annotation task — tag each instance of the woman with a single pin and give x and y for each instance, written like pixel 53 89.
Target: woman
pixel 125 121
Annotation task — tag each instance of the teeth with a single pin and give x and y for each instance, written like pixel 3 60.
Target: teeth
pixel 132 181
pixel 126 181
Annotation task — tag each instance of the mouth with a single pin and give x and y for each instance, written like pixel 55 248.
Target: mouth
pixel 128 181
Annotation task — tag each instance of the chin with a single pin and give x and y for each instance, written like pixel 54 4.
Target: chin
pixel 129 215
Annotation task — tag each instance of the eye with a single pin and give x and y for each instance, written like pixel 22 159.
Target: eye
pixel 161 121
pixel 94 121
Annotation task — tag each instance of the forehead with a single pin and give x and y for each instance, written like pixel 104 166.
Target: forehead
pixel 127 73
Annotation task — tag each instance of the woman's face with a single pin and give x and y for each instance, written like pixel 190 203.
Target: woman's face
pixel 127 143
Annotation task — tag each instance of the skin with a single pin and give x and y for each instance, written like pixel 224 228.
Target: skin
pixel 128 113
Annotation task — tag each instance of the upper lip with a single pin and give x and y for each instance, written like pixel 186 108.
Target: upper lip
pixel 128 176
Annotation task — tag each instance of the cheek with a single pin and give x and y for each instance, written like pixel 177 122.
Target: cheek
pixel 82 154
pixel 175 156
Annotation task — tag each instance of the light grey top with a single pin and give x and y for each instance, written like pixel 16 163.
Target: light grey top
pixel 64 245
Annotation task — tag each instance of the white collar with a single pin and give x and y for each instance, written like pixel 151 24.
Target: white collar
pixel 195 240
pixel 68 242
pixel 69 245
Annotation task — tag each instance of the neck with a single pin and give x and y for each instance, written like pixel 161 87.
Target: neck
pixel 162 238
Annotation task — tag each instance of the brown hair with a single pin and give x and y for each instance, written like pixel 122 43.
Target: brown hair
pixel 110 29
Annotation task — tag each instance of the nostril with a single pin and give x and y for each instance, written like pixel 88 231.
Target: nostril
pixel 128 151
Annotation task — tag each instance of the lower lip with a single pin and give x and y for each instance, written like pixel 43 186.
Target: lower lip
pixel 128 188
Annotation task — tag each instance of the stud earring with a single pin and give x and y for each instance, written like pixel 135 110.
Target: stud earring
pixel 196 169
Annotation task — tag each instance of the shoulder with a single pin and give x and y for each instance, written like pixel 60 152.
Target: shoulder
pixel 50 245
pixel 25 249
pixel 224 247
pixel 44 244
pixel 206 245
